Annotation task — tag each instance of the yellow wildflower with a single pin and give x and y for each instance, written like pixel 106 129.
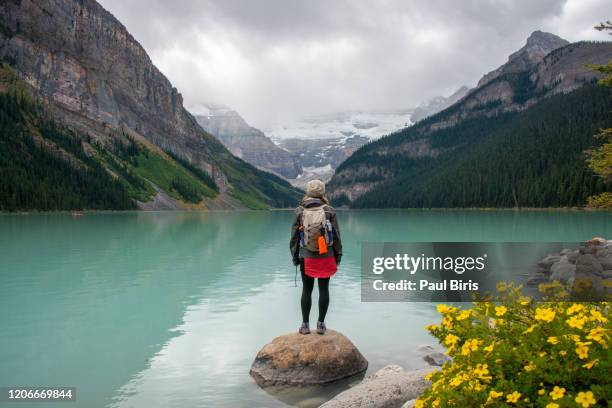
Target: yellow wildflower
pixel 575 308
pixel 596 315
pixel 456 381
pixel 563 353
pixel 577 321
pixel 464 314
pixel 586 399
pixel 501 286
pixel 482 371
pixel 489 348
pixel 513 397
pixel 442 308
pixel 582 350
pixel 541 391
pixel 545 314
pixel 530 367
pixel 596 334
pixel 557 393
pixel 493 395
pixel 419 404
pixel 553 340
pixel 469 346
pixel 552 405
pixel 590 364
pixel 500 310
pixel 450 340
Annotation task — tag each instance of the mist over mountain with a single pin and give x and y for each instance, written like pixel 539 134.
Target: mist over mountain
pixel 437 104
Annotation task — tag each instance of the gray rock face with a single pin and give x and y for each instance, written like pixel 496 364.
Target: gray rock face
pixel 537 278
pixel 389 387
pixel 563 270
pixel 100 81
pixel 548 261
pixel 588 263
pixel 296 359
pixel 582 268
pixel 247 142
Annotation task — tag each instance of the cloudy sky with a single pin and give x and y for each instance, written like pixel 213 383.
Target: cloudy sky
pixel 275 60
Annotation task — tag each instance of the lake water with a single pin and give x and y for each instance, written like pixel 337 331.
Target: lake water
pixel 169 309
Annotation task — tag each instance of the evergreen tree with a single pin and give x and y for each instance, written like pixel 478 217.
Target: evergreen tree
pixel 600 159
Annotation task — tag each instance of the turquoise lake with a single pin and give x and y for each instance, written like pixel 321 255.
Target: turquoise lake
pixel 169 308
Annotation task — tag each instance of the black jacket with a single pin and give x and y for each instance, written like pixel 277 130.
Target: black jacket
pixel 294 243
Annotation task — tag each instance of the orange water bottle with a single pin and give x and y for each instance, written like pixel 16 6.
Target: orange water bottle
pixel 322 245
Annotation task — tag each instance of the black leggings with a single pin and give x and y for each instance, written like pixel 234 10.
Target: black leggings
pixel 306 301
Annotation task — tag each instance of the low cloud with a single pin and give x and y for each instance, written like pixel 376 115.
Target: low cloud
pixel 282 59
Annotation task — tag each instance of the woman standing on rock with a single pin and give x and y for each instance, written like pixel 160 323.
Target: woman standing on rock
pixel 316 247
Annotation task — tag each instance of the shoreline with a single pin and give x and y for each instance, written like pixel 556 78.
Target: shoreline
pixel 339 209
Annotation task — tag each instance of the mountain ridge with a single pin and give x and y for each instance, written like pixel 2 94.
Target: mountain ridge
pixel 98 80
pixel 248 142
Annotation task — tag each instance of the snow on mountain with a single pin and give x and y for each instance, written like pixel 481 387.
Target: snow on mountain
pixel 322 142
pixel 341 126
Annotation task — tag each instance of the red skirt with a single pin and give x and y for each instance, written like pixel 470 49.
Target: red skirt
pixel 320 267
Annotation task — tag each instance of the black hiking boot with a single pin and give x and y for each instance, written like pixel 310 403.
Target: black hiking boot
pixel 304 328
pixel 321 328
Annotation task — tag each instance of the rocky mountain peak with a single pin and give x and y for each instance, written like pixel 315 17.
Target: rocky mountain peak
pixel 538 45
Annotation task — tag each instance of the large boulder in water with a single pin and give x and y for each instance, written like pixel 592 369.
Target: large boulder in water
pixel 298 359
pixel 389 387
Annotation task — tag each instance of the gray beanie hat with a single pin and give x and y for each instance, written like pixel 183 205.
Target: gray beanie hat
pixel 315 188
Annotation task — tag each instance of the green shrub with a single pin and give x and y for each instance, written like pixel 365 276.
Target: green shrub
pixel 517 352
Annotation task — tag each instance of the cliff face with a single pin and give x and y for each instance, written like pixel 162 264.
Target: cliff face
pixel 525 80
pixel 248 143
pixel 96 76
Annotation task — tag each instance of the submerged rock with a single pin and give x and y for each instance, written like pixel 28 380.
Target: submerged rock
pixel 297 359
pixel 389 387
pixel 436 358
